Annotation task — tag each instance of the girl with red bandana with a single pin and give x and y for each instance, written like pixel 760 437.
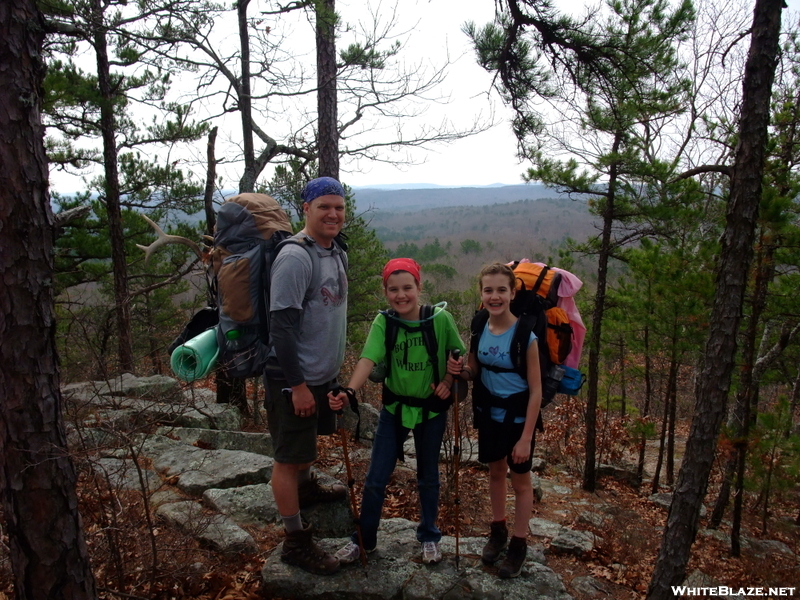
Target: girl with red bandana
pixel 413 401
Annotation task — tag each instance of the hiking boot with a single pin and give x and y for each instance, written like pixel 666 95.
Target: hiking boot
pixel 350 553
pixel 431 553
pixel 515 558
pixel 300 550
pixel 498 538
pixel 312 492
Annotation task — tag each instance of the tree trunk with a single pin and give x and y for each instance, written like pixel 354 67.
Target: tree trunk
pixel 211 177
pixel 37 479
pixel 328 133
pixel 112 193
pixel 793 405
pixel 662 441
pixel 589 467
pixel 648 390
pixel 671 409
pixel 247 183
pixel 749 383
pixel 739 421
pixel 724 495
pixel 623 391
pixel 735 257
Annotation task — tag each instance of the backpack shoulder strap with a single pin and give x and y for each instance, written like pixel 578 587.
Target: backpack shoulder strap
pixel 476 329
pixel 429 338
pixel 390 337
pixel 519 344
pixel 341 244
pixel 307 242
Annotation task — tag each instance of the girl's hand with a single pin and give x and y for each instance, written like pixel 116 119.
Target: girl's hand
pixel 454 366
pixel 337 402
pixel 521 451
pixel 442 390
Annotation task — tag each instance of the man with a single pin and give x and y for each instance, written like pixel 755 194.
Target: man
pixel 308 320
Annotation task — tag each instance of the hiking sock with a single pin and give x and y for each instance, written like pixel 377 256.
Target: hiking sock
pixel 293 523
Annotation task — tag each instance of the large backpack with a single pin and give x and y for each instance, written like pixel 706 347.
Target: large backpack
pixel 249 233
pixel 537 290
pixel 535 306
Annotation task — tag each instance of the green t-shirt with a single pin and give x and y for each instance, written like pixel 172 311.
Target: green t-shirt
pixel 411 372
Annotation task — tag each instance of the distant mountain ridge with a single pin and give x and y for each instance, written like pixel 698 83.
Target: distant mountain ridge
pixel 419 186
pixel 408 200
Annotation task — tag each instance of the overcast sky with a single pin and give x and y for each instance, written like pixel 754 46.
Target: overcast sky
pixel 433 32
pixel 483 159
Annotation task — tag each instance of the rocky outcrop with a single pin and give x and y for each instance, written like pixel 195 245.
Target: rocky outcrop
pixel 205 477
pixel 395 570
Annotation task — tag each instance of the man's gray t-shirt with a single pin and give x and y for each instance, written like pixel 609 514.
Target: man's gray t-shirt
pixel 322 327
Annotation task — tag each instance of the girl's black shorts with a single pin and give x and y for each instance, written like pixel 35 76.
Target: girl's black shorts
pixel 496 441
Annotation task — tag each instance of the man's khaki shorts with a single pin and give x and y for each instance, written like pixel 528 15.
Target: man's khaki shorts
pixel 295 438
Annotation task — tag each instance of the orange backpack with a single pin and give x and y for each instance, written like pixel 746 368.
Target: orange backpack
pixel 537 290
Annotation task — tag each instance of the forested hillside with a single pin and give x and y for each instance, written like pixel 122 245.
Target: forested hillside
pixel 465 237
pixel 423 198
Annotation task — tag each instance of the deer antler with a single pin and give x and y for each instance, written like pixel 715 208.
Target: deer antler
pixel 163 239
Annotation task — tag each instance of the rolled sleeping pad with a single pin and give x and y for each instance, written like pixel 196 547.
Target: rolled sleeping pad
pixel 197 357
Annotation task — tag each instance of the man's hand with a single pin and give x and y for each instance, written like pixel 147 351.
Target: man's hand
pixel 303 401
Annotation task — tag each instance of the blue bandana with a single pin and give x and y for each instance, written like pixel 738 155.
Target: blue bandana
pixel 321 186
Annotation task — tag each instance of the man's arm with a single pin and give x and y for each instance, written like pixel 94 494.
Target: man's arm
pixel 283 329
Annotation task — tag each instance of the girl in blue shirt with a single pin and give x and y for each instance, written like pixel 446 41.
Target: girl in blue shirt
pixel 506 404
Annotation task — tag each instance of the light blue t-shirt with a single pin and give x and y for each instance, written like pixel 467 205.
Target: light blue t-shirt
pixel 495 350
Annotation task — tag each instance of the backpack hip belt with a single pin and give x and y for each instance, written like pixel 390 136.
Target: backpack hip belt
pixel 428 405
pixel 515 405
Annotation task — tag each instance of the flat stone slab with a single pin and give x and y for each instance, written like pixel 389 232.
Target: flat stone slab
pixel 215 531
pixel 571 541
pixel 219 439
pixel 131 414
pixel 122 474
pixel 544 528
pixel 127 384
pixel 563 540
pixel 249 505
pixel 199 470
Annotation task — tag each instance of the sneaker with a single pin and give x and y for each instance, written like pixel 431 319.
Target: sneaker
pixel 300 550
pixel 498 539
pixel 350 553
pixel 312 492
pixel 431 553
pixel 515 558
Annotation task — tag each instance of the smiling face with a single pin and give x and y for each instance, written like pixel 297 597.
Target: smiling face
pixel 402 292
pixel 497 293
pixel 324 218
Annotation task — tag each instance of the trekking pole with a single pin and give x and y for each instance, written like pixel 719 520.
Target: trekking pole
pixel 456 458
pixel 350 479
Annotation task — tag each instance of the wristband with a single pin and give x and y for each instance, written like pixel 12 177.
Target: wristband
pixel 351 398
